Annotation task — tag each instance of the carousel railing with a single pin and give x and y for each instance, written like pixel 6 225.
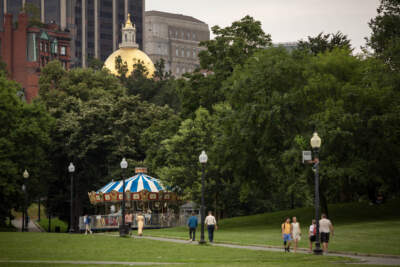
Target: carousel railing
pixel 112 222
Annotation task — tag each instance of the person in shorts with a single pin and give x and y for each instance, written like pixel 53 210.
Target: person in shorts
pixel 326 229
pixel 287 234
pixel 312 233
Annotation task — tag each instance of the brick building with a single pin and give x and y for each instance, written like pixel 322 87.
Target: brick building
pixel 27 48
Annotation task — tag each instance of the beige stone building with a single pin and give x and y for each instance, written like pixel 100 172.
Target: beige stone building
pixel 175 38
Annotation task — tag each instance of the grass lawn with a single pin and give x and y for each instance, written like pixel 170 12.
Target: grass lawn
pixel 48 246
pixel 358 228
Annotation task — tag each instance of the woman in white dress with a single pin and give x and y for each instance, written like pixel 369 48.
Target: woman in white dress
pixel 296 232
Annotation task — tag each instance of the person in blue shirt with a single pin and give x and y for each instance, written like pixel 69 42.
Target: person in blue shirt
pixel 192 224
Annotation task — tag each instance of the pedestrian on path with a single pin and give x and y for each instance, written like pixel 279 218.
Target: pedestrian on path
pixel 296 232
pixel 128 220
pixel 192 224
pixel 312 233
pixel 211 226
pixel 326 228
pixel 86 221
pixel 140 223
pixel 286 234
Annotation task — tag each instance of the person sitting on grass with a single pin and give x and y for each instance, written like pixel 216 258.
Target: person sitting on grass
pixel 192 224
pixel 286 234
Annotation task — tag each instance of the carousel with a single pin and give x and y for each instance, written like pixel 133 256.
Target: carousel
pixel 144 195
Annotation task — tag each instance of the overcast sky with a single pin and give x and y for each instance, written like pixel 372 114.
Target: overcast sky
pixel 285 20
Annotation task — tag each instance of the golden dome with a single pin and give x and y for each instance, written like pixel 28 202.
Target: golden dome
pixel 131 56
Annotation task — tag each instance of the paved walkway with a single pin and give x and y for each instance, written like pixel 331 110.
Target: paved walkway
pixel 384 260
pixel 32 227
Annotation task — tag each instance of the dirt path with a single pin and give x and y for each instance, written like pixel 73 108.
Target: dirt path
pixel 32 227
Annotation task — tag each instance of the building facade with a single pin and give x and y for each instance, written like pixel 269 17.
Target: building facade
pixel 27 48
pixel 94 24
pixel 175 38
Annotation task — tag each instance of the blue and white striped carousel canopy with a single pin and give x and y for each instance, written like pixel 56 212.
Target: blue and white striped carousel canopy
pixel 136 183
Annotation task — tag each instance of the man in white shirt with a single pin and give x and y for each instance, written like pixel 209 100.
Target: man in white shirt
pixel 211 225
pixel 325 228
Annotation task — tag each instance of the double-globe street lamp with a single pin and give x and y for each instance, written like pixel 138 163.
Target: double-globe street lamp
pixel 203 161
pixel 24 210
pixel 123 231
pixel 316 144
pixel 71 170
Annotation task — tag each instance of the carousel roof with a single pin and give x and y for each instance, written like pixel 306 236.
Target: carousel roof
pixel 136 183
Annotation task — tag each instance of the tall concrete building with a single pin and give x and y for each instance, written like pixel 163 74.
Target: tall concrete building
pixel 175 38
pixel 94 24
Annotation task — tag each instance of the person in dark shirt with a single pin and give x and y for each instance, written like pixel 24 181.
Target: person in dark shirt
pixel 192 224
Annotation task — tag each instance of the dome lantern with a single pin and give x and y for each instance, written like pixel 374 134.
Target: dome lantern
pixel 128 35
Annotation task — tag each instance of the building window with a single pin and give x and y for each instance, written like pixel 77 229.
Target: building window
pixel 177 69
pixel 194 36
pixel 177 52
pixel 176 34
pixel 63 51
pixel 183 70
pixel 194 52
pixel 188 53
pixel 41 46
pixel 32 47
pixel 188 35
pixel 182 35
pixel 182 52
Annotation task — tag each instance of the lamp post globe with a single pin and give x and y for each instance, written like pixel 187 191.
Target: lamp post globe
pixel 315 141
pixel 26 174
pixel 123 231
pixel 203 160
pixel 71 170
pixel 316 144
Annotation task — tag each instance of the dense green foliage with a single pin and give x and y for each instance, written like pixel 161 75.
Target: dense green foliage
pixel 251 106
pixel 24 141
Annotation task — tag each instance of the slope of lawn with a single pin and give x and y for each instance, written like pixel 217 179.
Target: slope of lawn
pixel 78 247
pixel 359 227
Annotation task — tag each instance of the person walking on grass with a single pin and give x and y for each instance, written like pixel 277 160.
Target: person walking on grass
pixel 325 228
pixel 211 226
pixel 86 221
pixel 192 224
pixel 286 234
pixel 312 233
pixel 296 232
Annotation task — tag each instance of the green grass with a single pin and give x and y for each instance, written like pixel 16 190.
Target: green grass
pixel 47 246
pixel 358 228
pixel 44 223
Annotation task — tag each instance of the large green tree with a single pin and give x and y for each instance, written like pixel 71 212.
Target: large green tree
pixel 385 37
pixel 24 142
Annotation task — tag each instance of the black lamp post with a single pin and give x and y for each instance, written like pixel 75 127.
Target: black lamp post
pixel 71 170
pixel 316 144
pixel 122 228
pixel 25 210
pixel 203 160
